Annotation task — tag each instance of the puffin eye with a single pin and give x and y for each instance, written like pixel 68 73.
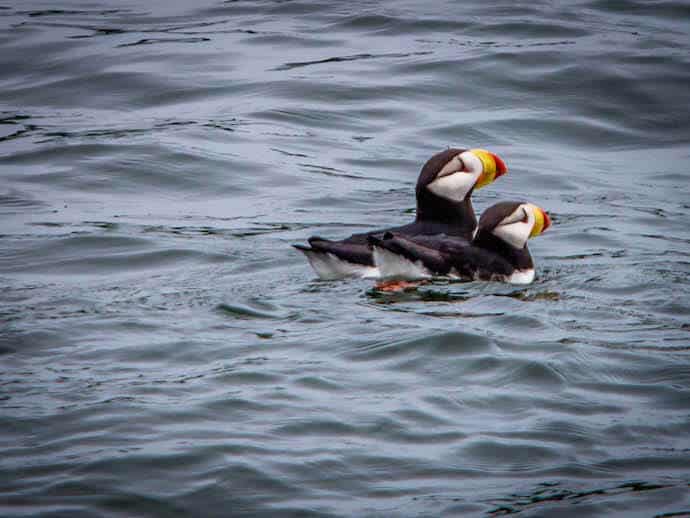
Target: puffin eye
pixel 525 216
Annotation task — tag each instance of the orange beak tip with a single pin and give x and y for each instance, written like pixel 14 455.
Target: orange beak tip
pixel 547 220
pixel 501 168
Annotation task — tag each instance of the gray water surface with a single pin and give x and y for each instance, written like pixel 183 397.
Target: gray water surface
pixel 165 352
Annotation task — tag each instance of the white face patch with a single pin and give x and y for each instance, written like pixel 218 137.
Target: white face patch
pixel 457 177
pixel 472 163
pixel 516 228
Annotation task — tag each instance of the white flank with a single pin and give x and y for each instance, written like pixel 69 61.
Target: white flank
pixel 330 267
pixel 521 276
pixel 393 265
pixel 454 275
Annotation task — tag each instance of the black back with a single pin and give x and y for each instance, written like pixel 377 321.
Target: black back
pixel 486 257
pixel 435 216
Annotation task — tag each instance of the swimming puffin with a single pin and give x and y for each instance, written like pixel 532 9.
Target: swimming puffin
pixel 444 206
pixel 498 251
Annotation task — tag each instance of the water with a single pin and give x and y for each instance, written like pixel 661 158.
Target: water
pixel 164 351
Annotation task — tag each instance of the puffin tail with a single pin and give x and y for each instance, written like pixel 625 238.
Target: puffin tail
pixel 337 259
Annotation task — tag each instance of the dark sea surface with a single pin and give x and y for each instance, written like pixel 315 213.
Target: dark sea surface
pixel 165 352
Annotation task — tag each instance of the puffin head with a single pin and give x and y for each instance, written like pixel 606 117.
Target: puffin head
pixel 514 222
pixel 453 173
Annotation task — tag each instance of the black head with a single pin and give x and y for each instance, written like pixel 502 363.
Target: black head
pixel 498 212
pixel 434 165
pixel 446 183
pixel 505 227
pixel 431 207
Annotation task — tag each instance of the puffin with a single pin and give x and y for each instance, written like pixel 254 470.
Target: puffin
pixel 498 251
pixel 444 206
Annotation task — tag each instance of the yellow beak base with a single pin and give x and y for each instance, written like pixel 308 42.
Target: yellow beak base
pixel 489 167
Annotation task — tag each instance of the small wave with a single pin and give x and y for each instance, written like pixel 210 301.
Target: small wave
pixel 357 57
pixel 158 41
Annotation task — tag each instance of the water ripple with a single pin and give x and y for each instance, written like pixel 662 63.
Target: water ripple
pixel 166 351
pixel 338 59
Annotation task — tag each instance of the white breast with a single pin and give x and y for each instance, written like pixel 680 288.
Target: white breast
pixel 521 276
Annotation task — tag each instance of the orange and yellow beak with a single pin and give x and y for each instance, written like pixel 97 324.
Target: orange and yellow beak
pixel 542 221
pixel 493 167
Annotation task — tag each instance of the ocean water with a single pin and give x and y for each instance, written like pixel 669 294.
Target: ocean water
pixel 165 352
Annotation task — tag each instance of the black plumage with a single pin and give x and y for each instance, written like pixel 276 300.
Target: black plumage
pixel 486 257
pixel 435 215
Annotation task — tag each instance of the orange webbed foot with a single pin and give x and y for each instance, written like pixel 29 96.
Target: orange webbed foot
pixel 394 286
